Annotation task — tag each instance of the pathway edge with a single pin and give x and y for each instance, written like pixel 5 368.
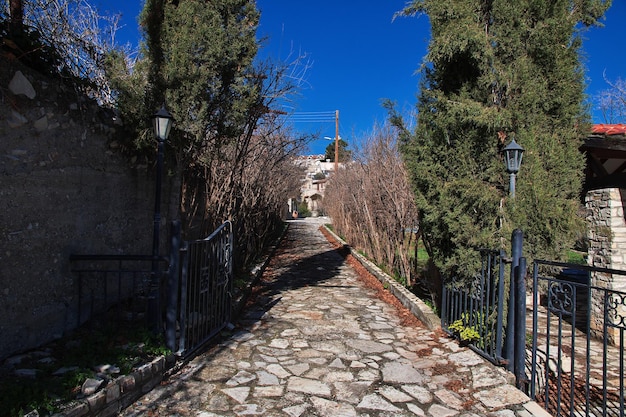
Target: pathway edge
pixel 407 298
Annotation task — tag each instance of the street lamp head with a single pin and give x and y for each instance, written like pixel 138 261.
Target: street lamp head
pixel 513 157
pixel 162 123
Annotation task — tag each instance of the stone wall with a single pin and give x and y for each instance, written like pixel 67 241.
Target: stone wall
pixel 63 190
pixel 607 249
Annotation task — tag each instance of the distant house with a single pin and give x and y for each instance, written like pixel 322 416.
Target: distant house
pixel 317 172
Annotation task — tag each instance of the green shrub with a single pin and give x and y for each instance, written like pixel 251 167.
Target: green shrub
pixel 303 210
pixel 469 327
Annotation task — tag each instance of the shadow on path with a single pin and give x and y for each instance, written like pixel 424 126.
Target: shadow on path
pixel 302 260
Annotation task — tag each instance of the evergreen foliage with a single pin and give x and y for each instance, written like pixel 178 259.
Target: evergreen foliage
pixel 199 58
pixel 208 51
pixel 498 70
pixel 344 153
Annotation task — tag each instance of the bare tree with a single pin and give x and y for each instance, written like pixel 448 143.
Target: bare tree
pixel 81 37
pixel 372 205
pixel 612 101
pixel 16 14
pixel 248 179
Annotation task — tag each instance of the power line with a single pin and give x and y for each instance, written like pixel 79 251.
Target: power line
pixel 311 117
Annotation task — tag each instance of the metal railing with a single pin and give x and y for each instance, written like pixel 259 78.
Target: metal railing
pixel 577 354
pixel 192 286
pixel 201 286
pixel 478 306
pixel 121 282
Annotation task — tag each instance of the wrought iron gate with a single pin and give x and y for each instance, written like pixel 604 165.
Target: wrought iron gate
pixel 194 284
pixel 577 355
pixel 200 291
pixel 568 355
pixel 479 305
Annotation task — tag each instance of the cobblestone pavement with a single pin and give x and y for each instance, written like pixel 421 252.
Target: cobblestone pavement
pixel 315 341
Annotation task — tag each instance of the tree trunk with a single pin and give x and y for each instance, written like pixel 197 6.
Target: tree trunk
pixel 16 11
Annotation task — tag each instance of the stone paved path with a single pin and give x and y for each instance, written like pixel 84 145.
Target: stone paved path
pixel 316 342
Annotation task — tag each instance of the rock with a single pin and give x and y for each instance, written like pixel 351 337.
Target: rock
pixel 239 394
pixel 396 372
pixel 64 370
pixel 16 119
pixel 308 386
pixel 107 369
pixel 91 385
pixel 501 397
pixel 375 402
pixel 41 124
pixel 26 373
pixel 20 85
pixel 15 360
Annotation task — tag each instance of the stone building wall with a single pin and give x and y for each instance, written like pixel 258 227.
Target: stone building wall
pixel 63 190
pixel 607 249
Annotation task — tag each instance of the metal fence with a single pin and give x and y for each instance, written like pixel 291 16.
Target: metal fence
pixel 201 286
pixel 118 284
pixel 571 360
pixel 187 295
pixel 473 310
pixel 577 357
pixel 488 312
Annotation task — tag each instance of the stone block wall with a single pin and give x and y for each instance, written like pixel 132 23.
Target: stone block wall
pixel 607 249
pixel 63 189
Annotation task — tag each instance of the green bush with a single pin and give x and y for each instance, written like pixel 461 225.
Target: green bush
pixel 469 327
pixel 303 210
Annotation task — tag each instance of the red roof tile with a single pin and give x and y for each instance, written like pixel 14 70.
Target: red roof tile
pixel 609 129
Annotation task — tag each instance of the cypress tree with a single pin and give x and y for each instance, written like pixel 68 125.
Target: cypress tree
pixel 498 70
pixel 208 50
pixel 200 63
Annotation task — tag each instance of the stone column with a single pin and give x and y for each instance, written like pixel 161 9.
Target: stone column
pixel 607 249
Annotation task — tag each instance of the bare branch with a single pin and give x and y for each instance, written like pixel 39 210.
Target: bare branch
pixel 82 38
pixel 612 101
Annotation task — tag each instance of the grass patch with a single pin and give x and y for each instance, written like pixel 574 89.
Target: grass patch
pixel 577 257
pixel 422 255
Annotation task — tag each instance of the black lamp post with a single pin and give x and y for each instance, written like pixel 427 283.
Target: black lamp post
pixel 513 159
pixel 162 121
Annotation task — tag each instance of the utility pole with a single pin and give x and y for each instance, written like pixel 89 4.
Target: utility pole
pixel 336 142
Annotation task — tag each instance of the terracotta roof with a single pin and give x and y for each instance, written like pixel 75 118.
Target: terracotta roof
pixel 612 129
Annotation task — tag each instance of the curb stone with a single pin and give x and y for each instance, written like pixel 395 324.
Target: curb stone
pixel 408 299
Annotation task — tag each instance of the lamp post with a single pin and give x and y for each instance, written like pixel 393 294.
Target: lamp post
pixel 513 159
pixel 162 123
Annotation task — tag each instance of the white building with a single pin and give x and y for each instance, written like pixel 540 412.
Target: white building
pixel 317 172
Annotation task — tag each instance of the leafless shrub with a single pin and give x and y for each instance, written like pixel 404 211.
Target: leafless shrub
pixel 612 102
pixel 251 190
pixel 81 37
pixel 372 205
pixel 249 178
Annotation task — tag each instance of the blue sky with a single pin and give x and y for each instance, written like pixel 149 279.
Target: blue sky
pixel 359 55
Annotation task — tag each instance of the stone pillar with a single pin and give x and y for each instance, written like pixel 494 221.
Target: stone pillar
pixel 607 249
